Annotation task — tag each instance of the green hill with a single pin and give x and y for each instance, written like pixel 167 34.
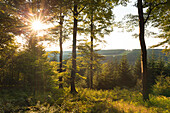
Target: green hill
pixel 111 55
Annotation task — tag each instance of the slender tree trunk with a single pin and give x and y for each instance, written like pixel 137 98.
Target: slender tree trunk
pixel 91 52
pixel 88 77
pixel 73 71
pixel 17 79
pixel 12 74
pixel 61 49
pixel 35 81
pixel 143 52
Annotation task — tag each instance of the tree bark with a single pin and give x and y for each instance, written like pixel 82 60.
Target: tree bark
pixel 73 71
pixel 143 52
pixel 91 52
pixel 61 50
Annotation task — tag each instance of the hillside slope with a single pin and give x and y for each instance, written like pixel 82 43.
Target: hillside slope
pixel 111 55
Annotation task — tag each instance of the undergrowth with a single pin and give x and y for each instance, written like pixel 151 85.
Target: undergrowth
pixel 86 101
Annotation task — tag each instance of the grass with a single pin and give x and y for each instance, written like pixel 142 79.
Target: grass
pixel 97 101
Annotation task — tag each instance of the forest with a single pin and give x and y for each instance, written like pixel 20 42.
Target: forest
pixel 85 79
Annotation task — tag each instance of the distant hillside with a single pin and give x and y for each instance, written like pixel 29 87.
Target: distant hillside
pixel 133 55
pixel 112 52
pixel 110 55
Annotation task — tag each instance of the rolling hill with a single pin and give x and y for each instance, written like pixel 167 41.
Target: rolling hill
pixel 111 55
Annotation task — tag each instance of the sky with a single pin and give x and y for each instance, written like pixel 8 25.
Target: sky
pixel 116 39
pixel 125 40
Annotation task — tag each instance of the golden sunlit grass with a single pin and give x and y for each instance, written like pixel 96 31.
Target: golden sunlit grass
pixel 89 101
pixel 114 101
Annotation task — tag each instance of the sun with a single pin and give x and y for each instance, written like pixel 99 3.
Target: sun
pixel 37 25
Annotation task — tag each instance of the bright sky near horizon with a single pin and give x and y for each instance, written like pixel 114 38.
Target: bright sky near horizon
pixel 118 39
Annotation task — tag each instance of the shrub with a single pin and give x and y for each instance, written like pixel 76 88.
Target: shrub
pixel 162 86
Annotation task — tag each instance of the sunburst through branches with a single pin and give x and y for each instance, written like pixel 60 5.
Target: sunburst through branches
pixel 35 20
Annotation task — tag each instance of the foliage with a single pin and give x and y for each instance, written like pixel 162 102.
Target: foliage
pixel 111 101
pixel 156 67
pixel 84 62
pixel 161 86
pixel 15 100
pixel 115 74
pixel 99 15
pixel 116 100
pixel 108 77
pixel 28 69
pixel 156 14
pixel 161 11
pixel 28 79
pixel 8 29
pixel 8 24
pixel 126 79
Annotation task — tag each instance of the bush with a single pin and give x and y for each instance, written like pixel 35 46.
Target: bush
pixel 162 86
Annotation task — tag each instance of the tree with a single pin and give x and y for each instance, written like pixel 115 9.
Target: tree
pixel 156 67
pixel 33 68
pixel 8 28
pixel 150 5
pixel 8 24
pixel 145 18
pixel 73 71
pixel 59 10
pixel 81 5
pixel 159 17
pixel 84 49
pixel 108 78
pixel 137 73
pixel 73 5
pixel 75 15
pixel 27 68
pixel 61 48
pixel 137 69
pixel 116 74
pixel 143 50
pixel 98 22
pixel 125 74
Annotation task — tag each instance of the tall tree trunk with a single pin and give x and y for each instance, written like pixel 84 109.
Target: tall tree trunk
pixel 35 81
pixel 17 78
pixel 91 52
pixel 12 74
pixel 61 49
pixel 143 52
pixel 73 71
